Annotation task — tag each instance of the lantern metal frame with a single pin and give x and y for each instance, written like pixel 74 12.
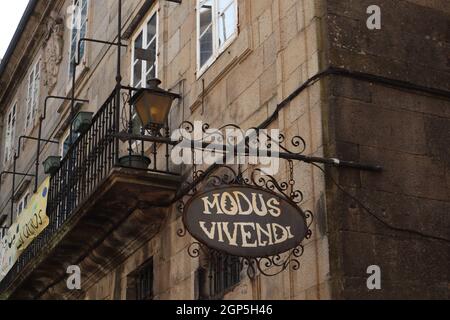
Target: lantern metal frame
pixel 153 89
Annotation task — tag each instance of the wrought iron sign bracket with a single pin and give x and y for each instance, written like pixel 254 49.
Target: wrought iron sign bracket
pixel 335 162
pixel 37 163
pixel 225 199
pixel 14 173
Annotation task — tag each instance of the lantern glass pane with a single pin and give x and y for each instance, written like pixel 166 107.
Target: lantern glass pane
pixel 153 108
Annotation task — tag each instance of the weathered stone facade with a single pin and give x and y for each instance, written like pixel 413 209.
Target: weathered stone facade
pixel 280 45
pixel 407 132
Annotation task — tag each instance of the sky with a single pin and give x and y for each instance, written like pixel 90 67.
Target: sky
pixel 10 14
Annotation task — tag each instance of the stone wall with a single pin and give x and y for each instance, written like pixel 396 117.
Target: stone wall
pixel 276 51
pixel 280 45
pixel 405 131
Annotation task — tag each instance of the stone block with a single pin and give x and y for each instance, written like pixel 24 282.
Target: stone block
pixel 268 84
pixel 295 54
pixel 265 25
pixel 287 26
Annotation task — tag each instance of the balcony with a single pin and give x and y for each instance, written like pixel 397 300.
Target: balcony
pixel 97 208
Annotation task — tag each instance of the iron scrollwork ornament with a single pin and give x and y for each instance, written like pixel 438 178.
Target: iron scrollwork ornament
pixel 257 179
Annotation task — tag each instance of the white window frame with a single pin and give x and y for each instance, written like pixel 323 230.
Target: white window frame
pixel 33 96
pixel 77 9
pixel 217 49
pixel 10 133
pixel 143 29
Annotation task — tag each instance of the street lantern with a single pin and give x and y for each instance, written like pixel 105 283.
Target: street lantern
pixel 152 104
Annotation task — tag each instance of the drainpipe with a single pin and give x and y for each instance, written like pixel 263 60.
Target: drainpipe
pixel 118 76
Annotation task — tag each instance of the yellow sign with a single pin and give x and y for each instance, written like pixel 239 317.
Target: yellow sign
pixel 29 224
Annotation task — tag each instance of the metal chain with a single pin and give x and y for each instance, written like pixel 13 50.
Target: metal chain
pixel 194 168
pixel 291 176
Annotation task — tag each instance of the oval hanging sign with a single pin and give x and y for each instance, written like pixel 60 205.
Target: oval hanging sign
pixel 245 221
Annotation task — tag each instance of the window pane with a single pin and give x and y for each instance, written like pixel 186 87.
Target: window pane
pixel 151 29
pixel 137 72
pixel 222 273
pixel 136 124
pixel 138 42
pixel 83 30
pixel 67 144
pixel 74 15
pixel 152 54
pixel 30 102
pixel 10 133
pixel 151 75
pixel 83 35
pixel 151 42
pixel 38 70
pixel 30 84
pixel 82 46
pixel 206 47
pixel 205 15
pixel 227 24
pixel 78 31
pixel 143 282
pixel 84 11
pixel 65 147
pixel 224 4
pixel 73 51
pixel 35 93
pixel 137 68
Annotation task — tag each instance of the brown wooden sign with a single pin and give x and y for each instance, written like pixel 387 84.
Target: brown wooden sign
pixel 245 221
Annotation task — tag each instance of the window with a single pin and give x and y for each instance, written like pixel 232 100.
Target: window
pixel 221 273
pixel 140 283
pixel 78 31
pixel 144 63
pixel 32 96
pixel 23 202
pixel 216 28
pixel 10 134
pixel 65 143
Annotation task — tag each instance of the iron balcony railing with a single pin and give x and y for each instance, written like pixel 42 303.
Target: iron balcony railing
pixel 88 161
